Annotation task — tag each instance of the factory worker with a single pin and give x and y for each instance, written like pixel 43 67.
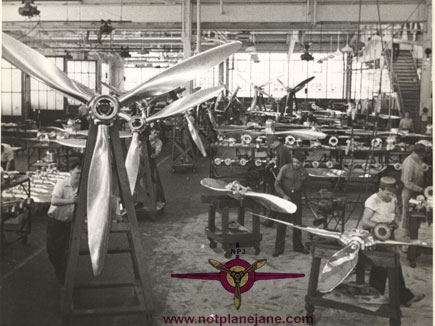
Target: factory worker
pixel 382 207
pixel 60 215
pixel 406 124
pixel 412 178
pixel 155 142
pixel 8 157
pixel 289 184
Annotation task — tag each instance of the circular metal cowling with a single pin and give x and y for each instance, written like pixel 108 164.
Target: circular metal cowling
pixel 104 107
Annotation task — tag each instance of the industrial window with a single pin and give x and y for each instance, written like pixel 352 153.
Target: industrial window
pixel 43 97
pixel 84 72
pixel 11 90
pixel 209 79
pixel 134 76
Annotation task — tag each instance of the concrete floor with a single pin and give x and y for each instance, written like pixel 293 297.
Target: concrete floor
pixel 29 292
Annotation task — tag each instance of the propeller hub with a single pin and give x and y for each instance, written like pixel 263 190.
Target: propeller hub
pixel 104 108
pixel 137 124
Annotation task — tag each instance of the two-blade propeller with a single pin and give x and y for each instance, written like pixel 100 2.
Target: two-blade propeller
pixel 237 276
pixel 341 264
pixel 104 110
pixel 235 189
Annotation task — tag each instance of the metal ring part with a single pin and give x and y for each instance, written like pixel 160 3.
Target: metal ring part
pixel 217 161
pixel 329 164
pixel 397 166
pixel 243 161
pixel 136 124
pixel 290 140
pixel 246 139
pixel 425 167
pixel 382 231
pixel 333 141
pixel 228 161
pixel 315 164
pixel 104 108
pixel 258 162
pixel 428 192
pixel 376 142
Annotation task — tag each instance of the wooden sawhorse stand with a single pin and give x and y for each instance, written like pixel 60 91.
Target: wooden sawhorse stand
pixel 224 235
pixel 144 303
pixel 183 152
pixel 388 259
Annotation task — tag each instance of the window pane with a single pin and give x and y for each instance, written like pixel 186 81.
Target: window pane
pixel 6 80
pixel 6 104
pixel 16 80
pixel 50 101
pixel 16 104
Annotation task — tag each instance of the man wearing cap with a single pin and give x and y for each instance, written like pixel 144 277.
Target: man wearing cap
pixel 382 207
pixel 412 178
pixel 290 184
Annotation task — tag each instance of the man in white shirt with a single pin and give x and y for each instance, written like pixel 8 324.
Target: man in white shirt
pixel 382 207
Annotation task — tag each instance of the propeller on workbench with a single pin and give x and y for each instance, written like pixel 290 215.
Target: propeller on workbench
pixel 291 92
pixel 341 264
pixel 104 110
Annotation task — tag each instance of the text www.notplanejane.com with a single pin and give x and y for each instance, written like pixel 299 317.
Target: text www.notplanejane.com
pixel 254 320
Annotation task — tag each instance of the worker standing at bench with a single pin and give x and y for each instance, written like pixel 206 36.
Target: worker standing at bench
pixel 8 157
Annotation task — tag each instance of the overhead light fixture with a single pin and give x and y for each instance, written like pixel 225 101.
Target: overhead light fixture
pixel 29 9
pixel 306 56
pixel 125 52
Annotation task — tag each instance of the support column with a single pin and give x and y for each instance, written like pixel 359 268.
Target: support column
pixel 26 105
pixel 187 36
pixel 426 68
pixel 116 72
pixel 348 57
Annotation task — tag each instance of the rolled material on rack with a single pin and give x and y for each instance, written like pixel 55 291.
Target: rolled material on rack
pixel 228 161
pixel 315 164
pixel 246 139
pixel 377 142
pixel 329 164
pixel 243 161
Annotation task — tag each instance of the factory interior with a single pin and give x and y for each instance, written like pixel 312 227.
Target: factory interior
pixel 160 157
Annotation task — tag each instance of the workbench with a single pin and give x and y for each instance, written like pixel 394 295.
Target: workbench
pixel 388 259
pixel 415 219
pixel 226 235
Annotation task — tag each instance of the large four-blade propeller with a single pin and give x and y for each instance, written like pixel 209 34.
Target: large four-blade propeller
pixel 104 110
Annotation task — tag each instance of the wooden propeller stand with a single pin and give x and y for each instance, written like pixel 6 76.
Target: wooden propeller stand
pixel 139 284
pixel 183 151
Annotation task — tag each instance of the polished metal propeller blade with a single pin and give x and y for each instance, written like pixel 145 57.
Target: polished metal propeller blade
pixel 301 85
pixel 112 88
pixel 338 267
pixel 98 199
pixel 218 100
pixel 272 202
pixel 316 231
pixel 219 266
pixel 307 134
pixel 195 135
pixel 185 103
pixel 182 72
pixel 132 161
pixel 263 92
pixel 282 84
pixel 212 120
pixel 258 264
pixel 237 296
pixel 39 67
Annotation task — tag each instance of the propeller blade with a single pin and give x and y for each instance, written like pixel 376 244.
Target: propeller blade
pixel 218 100
pixel 272 202
pixel 182 72
pixel 301 85
pixel 258 264
pixel 264 93
pixel 132 161
pixel 71 142
pixel 36 65
pixel 98 199
pixel 195 135
pixel 266 83
pixel 307 134
pixel 410 243
pixel 218 266
pixel 282 84
pixel 316 231
pixel 185 103
pixel 237 296
pixel 112 88
pixel 338 267
pixel 212 119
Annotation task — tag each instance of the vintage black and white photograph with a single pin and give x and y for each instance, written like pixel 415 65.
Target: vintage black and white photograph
pixel 216 162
